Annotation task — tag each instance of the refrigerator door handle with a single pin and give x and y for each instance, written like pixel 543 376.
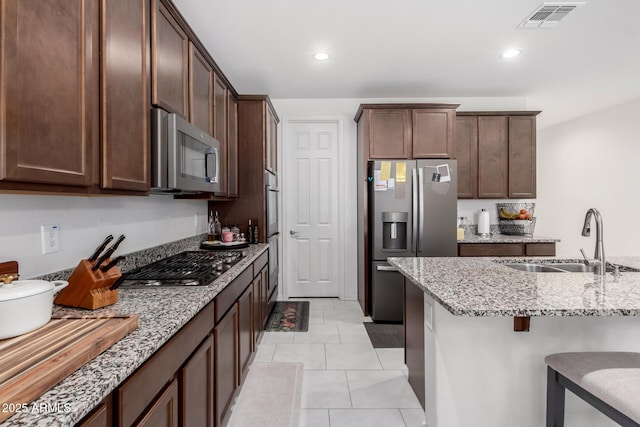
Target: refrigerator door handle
pixel 414 216
pixel 386 268
pixel 420 209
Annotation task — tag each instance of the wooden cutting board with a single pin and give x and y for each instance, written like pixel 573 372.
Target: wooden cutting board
pixel 33 363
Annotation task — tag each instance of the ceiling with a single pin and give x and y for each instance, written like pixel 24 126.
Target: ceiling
pixel 425 49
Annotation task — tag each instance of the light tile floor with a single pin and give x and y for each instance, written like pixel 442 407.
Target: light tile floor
pixel 346 383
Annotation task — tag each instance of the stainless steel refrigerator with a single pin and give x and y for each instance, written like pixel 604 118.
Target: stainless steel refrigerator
pixel 413 210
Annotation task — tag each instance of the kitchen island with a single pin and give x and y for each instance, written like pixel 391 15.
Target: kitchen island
pixel 164 312
pixel 477 370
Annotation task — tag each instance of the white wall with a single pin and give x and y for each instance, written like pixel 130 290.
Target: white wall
pixel 346 109
pixel 591 162
pixel 85 221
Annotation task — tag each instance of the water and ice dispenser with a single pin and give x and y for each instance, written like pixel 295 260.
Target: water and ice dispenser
pixel 394 230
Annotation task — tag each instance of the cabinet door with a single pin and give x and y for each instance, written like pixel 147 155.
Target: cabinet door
pixel 245 331
pixel 226 362
pixel 220 127
pixel 465 151
pixel 196 388
pixel 49 92
pixel 389 134
pixel 493 157
pixel 200 91
pixel 264 302
pixel 271 141
pixel 432 133
pixel 258 325
pixel 169 61
pixel 522 156
pixel 164 411
pixel 232 147
pixel 124 118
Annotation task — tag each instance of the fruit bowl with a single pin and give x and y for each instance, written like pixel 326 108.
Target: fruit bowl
pixel 517 227
pixel 515 211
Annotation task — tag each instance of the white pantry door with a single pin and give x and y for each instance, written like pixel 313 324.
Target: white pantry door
pixel 311 205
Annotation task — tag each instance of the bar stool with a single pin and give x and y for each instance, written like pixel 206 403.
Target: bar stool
pixel 608 381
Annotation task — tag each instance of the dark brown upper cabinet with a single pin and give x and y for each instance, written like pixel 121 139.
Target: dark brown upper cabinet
pixel 465 151
pixel 232 146
pixel 522 156
pixel 220 126
pixel 389 133
pixel 496 153
pixel 432 132
pixel 407 131
pixel 125 95
pixel 200 90
pixel 271 146
pixel 493 157
pixel 49 90
pixel 169 61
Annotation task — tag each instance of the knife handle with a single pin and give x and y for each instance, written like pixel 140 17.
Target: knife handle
pixel 94 256
pixel 112 264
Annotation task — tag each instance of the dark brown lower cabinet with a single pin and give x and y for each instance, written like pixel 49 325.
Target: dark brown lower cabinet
pixel 192 379
pixel 264 301
pixel 414 338
pixel 101 416
pixel 197 387
pixel 164 412
pixel 226 362
pixel 507 249
pixel 257 309
pixel 245 332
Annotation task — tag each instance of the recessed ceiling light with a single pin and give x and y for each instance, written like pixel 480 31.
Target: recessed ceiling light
pixel 321 56
pixel 510 53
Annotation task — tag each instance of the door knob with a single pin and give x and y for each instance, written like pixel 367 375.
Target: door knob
pixel 293 232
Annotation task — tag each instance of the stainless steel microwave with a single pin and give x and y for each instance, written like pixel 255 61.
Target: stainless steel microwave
pixel 184 158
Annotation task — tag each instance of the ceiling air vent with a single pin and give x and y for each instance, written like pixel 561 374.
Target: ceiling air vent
pixel 548 15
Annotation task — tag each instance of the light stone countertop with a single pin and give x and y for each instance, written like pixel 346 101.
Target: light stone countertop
pixel 504 238
pixel 163 311
pixel 484 287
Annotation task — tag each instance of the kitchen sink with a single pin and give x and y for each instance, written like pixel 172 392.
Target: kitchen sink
pixel 533 268
pixel 561 267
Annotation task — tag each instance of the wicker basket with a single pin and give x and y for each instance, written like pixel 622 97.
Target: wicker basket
pixel 517 227
pixel 515 208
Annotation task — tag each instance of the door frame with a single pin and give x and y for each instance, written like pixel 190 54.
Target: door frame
pixel 342 198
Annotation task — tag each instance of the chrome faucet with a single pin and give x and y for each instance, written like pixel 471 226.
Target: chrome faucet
pixel 600 264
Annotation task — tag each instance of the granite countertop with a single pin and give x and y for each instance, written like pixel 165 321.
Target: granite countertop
pixel 163 311
pixel 484 287
pixel 505 238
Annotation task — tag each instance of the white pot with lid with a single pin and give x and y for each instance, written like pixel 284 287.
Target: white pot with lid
pixel 26 305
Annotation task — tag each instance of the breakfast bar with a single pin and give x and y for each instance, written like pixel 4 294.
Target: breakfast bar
pixel 476 369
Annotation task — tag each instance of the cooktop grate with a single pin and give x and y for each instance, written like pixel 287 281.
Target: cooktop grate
pixel 189 268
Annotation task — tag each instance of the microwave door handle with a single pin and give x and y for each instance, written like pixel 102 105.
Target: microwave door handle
pixel 209 152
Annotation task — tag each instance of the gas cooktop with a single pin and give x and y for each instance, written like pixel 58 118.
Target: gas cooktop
pixel 189 268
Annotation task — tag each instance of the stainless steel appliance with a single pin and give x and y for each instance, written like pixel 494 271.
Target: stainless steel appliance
pixel 272 231
pixel 183 157
pixel 189 268
pixel 413 205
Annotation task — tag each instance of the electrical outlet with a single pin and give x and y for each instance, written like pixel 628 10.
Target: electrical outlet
pixel 50 238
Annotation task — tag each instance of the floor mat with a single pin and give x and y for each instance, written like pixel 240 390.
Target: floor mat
pixel 289 316
pixel 270 396
pixel 385 335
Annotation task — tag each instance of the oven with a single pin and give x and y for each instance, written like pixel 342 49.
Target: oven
pixel 272 231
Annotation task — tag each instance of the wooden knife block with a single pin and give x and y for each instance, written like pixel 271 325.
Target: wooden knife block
pixel 90 289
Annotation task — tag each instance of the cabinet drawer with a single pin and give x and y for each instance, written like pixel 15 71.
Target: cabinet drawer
pixel 540 249
pixel 164 412
pixel 491 249
pixel 260 262
pixel 231 293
